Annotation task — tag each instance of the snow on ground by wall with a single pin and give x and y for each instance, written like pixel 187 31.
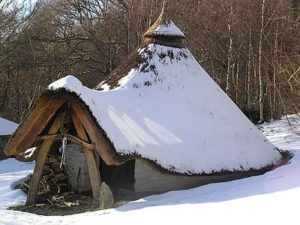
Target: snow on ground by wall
pixel 285 132
pixel 7 127
pixel 272 198
pixel 169 105
pixel 12 171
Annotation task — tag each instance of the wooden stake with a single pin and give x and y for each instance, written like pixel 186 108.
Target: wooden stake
pixel 94 172
pixel 40 161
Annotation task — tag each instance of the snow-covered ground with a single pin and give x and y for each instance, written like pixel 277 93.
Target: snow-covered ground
pixel 7 127
pixel 272 198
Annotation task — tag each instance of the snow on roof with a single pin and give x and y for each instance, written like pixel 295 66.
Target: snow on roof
pixel 170 111
pixel 168 29
pixel 7 127
pixel 164 26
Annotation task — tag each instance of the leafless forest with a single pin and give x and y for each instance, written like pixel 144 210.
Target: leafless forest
pixel 251 48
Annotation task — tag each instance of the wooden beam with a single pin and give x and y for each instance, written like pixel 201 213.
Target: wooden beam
pixel 101 142
pixel 69 137
pixel 34 123
pixel 94 172
pixel 39 164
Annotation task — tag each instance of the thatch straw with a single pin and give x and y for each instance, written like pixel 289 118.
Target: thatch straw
pixel 162 20
pixel 134 60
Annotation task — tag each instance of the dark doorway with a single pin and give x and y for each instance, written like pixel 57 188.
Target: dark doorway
pixel 118 177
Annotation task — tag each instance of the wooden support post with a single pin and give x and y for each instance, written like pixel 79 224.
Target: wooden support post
pixel 101 143
pixel 39 164
pixel 94 172
pixel 70 137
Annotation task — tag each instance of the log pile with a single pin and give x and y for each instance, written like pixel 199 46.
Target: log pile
pixel 54 180
pixel 53 186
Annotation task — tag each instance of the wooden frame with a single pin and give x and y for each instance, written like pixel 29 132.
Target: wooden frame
pixel 81 139
pixel 89 136
pixel 39 165
pixel 70 137
pixel 94 172
pixel 102 146
pixel 33 125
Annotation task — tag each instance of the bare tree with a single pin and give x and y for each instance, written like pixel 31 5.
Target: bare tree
pixel 260 76
pixel 253 56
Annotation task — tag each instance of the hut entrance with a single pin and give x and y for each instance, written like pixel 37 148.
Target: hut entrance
pixel 73 174
pixel 120 179
pixel 65 182
pixel 65 158
pixel 66 188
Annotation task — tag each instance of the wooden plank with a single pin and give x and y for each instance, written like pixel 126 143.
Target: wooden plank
pixel 94 175
pixel 70 137
pixel 94 172
pixel 33 125
pixel 30 119
pixel 101 142
pixel 40 161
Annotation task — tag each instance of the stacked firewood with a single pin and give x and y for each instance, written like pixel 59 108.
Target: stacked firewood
pixel 53 185
pixel 54 180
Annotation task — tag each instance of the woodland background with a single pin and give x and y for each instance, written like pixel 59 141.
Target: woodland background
pixel 251 48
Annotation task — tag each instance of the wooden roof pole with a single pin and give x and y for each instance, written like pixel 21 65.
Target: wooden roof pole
pixel 94 172
pixel 101 144
pixel 39 164
pixel 33 125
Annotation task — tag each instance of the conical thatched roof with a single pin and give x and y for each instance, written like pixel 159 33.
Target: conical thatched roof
pixel 162 106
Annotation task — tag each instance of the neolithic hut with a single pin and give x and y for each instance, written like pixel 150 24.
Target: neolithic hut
pixel 157 123
pixel 6 129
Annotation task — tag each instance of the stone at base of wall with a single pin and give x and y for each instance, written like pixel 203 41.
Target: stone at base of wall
pixel 106 197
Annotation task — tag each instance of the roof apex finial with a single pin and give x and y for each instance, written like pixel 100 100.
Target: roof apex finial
pixel 164 26
pixel 164 10
pixel 165 3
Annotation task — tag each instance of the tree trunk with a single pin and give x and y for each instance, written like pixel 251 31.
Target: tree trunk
pixel 229 57
pixel 250 53
pixel 236 89
pixel 260 77
pixel 275 71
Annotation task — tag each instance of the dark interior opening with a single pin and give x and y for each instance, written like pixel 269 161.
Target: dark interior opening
pixel 70 179
pixel 119 178
pixel 67 185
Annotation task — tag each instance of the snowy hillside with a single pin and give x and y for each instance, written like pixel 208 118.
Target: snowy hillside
pixel 7 127
pixel 272 198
